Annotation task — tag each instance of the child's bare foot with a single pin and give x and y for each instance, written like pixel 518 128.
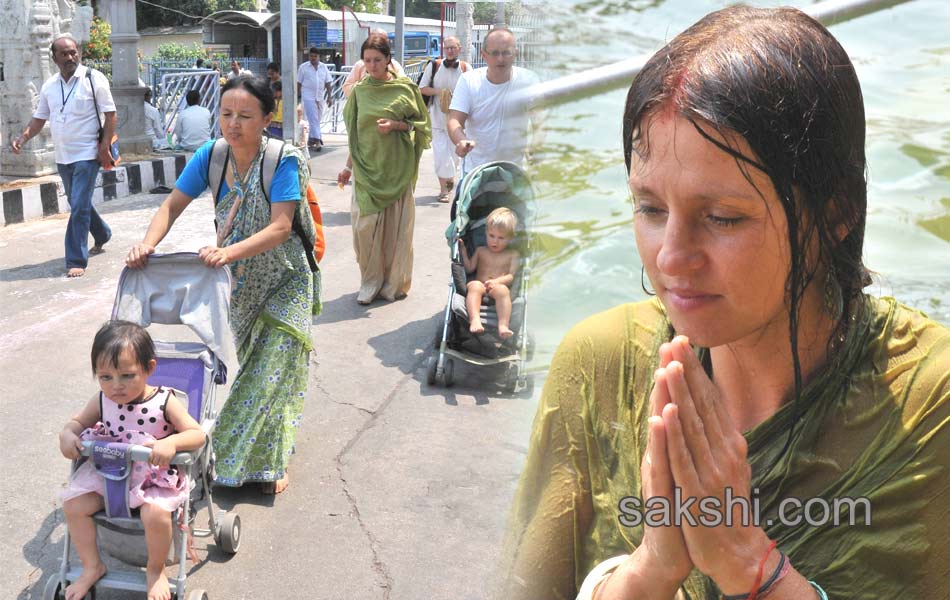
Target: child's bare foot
pixel 476 326
pixel 157 584
pixel 504 332
pixel 77 590
pixel 75 272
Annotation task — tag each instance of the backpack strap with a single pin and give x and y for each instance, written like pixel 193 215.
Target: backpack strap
pixel 217 163
pixel 273 152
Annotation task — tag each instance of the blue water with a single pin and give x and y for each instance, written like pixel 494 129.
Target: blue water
pixel 588 260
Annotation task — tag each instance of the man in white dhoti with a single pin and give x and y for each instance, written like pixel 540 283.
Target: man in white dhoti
pixel 437 84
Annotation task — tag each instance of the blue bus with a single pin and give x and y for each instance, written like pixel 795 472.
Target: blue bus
pixel 419 44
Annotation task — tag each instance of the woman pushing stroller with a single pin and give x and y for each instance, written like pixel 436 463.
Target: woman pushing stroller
pixel 274 293
pixel 128 410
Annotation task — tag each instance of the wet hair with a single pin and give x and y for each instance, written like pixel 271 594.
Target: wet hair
pixel 115 337
pixel 273 67
pixel 504 219
pixel 780 80
pixel 277 86
pixel 493 31
pixel 192 97
pixel 378 42
pixel 257 87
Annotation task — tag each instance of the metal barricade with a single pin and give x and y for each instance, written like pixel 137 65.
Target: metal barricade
pixel 170 98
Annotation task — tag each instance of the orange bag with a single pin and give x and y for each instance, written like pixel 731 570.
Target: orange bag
pixel 320 245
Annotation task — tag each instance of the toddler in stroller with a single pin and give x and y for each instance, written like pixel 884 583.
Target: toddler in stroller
pixel 485 325
pixel 129 410
pixel 494 265
pixel 142 448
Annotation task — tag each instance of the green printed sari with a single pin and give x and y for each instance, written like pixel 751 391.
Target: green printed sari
pixel 273 299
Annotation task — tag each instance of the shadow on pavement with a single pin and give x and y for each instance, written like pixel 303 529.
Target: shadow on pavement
pixel 54 268
pixel 408 347
pixel 343 308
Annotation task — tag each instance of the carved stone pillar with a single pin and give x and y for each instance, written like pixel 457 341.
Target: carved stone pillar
pixel 29 28
pixel 126 91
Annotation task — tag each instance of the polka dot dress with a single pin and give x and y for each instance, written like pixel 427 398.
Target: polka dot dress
pixel 133 423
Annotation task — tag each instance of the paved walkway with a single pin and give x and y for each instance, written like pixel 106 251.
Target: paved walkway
pixel 398 490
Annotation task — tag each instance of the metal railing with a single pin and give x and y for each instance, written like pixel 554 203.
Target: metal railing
pixel 620 74
pixel 170 100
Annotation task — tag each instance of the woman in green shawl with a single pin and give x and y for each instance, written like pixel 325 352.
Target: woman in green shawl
pixel 760 371
pixel 388 127
pixel 274 292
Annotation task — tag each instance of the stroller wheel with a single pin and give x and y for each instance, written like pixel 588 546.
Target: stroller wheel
pixel 512 380
pixel 431 364
pixel 529 348
pixel 52 589
pixel 198 595
pixel 448 373
pixel 228 535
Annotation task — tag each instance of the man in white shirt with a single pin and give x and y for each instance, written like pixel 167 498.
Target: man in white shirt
pixel 68 100
pixel 237 71
pixel 313 83
pixel 482 124
pixel 194 123
pixel 154 128
pixel 438 88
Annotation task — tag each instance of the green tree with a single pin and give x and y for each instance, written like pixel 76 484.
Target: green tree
pixel 98 47
pixel 367 6
pixel 184 12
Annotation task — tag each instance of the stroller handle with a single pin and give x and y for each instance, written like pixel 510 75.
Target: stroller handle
pixel 143 453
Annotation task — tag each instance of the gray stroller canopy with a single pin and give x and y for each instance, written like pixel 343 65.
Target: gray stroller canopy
pixel 492 186
pixel 178 289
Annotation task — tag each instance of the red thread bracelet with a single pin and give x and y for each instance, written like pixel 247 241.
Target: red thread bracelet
pixel 758 577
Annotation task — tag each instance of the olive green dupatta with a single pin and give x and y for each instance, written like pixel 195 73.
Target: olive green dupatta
pixel 384 166
pixel 874 425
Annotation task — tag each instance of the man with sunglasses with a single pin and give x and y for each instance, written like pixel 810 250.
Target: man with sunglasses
pixel 438 82
pixel 482 125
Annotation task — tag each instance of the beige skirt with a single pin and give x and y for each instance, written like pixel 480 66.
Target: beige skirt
pixel 383 244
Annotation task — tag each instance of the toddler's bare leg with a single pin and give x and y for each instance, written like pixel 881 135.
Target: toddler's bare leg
pixel 502 297
pixel 158 539
pixel 473 303
pixel 82 530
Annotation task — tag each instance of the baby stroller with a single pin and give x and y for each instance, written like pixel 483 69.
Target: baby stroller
pixel 174 289
pixel 485 188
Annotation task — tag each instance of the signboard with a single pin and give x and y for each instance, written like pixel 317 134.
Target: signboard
pixel 317 33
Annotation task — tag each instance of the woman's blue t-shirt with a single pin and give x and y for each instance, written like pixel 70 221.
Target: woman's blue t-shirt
pixel 194 178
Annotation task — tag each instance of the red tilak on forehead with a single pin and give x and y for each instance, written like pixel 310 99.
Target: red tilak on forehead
pixel 677 91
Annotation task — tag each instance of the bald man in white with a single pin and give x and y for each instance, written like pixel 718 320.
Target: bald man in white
pixel 438 83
